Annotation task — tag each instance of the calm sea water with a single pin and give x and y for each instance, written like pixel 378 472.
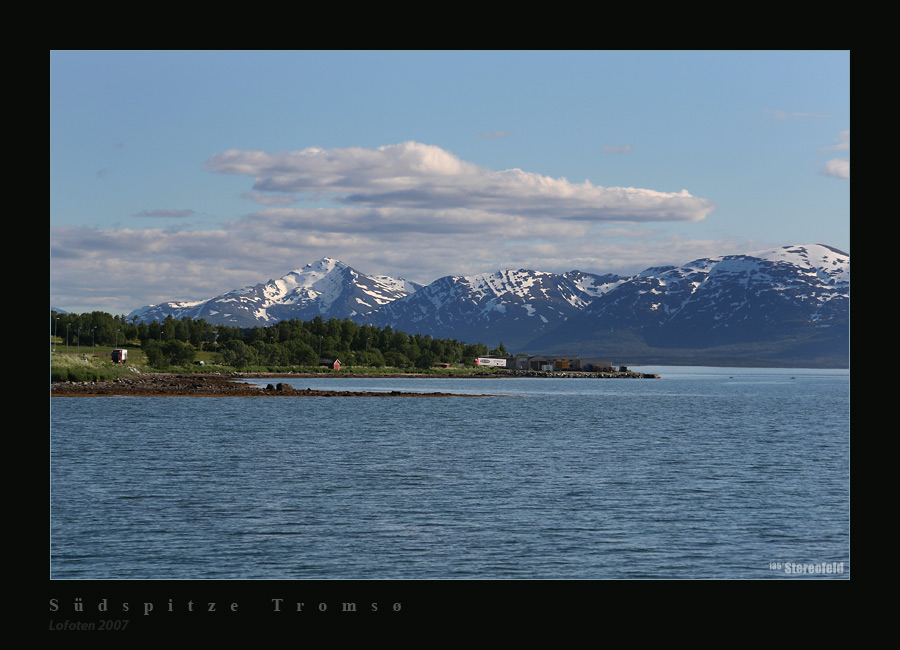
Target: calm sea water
pixel 704 473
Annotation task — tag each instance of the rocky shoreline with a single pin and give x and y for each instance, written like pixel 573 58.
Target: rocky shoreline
pixel 212 385
pixel 229 385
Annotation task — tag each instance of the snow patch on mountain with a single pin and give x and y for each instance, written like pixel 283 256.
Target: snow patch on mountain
pixel 327 288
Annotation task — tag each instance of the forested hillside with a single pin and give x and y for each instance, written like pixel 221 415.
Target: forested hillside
pixel 287 343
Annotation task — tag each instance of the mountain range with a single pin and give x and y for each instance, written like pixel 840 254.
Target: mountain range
pixel 781 307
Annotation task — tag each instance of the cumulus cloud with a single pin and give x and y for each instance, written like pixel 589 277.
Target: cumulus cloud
pixel 424 177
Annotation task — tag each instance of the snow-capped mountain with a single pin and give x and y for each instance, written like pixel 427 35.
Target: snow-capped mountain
pixel 327 288
pixel 787 305
pixel 510 306
pixel 795 299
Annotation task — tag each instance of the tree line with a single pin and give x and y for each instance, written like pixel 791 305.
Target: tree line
pixel 287 343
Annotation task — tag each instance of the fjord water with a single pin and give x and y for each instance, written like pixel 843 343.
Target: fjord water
pixel 703 473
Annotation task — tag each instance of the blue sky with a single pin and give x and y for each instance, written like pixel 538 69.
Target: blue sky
pixel 181 175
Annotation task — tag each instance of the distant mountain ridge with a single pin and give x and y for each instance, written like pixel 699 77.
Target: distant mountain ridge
pixel 782 306
pixel 774 305
pixel 512 306
pixel 327 288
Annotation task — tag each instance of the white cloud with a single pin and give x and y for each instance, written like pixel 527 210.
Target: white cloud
pixel 838 167
pixel 425 177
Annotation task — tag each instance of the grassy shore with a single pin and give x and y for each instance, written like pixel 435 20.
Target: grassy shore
pixel 74 367
pixel 93 364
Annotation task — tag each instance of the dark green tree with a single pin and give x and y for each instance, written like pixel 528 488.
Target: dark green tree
pixel 164 355
pixel 238 354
